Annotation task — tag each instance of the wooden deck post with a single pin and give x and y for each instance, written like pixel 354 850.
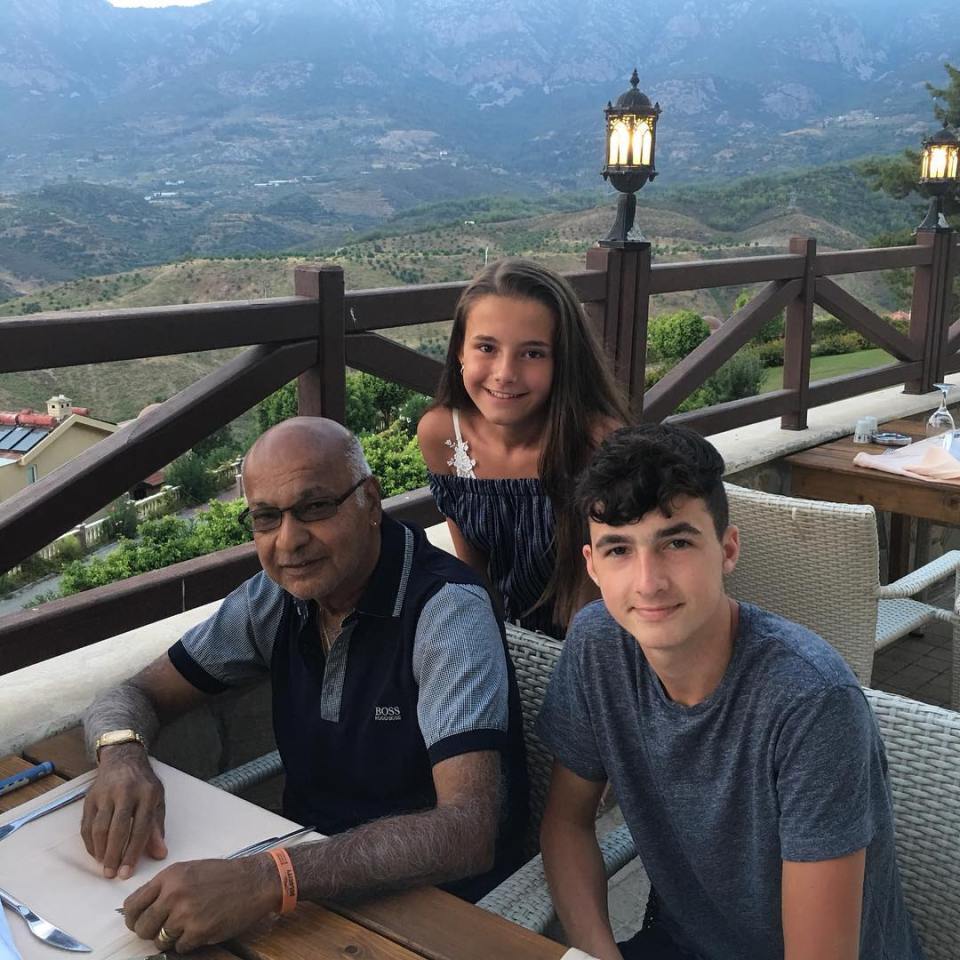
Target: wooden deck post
pixel 322 390
pixel 621 319
pixel 798 335
pixel 930 307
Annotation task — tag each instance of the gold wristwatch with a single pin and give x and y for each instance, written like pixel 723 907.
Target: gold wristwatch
pixel 113 737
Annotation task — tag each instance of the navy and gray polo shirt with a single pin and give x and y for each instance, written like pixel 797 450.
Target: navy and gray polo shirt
pixel 420 673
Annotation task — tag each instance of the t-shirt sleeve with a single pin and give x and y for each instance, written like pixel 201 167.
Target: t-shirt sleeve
pixel 565 724
pixel 460 665
pixel 233 646
pixel 830 776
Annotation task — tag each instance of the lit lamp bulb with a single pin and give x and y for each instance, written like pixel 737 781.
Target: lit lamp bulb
pixel 939 174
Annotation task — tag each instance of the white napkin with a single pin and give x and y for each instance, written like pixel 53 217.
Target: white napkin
pixel 574 954
pixel 7 950
pixel 924 460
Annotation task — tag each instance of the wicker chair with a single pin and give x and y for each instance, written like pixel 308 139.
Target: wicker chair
pixel 923 753
pixel 817 563
pixel 524 898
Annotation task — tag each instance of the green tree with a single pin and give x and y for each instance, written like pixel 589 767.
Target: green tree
pixel 280 405
pixel 216 448
pixel 898 176
pixel 394 458
pixel 674 335
pixel 191 474
pixel 218 527
pixel 122 518
pixel 162 541
pixel 373 404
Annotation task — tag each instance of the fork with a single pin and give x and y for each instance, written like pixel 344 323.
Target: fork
pixel 61 801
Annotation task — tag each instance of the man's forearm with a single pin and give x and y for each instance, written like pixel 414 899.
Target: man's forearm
pixel 126 706
pixel 578 885
pixel 433 846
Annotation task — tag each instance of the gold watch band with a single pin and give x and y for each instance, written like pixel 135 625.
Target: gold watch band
pixel 113 738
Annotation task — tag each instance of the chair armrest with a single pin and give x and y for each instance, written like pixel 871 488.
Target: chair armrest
pixel 524 897
pixel 926 576
pixel 249 774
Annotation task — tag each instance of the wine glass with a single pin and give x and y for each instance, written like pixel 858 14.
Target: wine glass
pixel 941 421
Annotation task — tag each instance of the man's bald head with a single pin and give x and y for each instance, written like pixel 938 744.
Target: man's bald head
pixel 331 443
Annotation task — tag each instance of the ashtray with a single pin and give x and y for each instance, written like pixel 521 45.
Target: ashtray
pixel 890 439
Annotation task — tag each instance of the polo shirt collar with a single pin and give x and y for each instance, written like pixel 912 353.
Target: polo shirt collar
pixel 387 586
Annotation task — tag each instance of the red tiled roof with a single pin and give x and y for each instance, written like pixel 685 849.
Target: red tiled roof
pixel 30 418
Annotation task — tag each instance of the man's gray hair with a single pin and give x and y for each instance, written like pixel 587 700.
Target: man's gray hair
pixel 357 463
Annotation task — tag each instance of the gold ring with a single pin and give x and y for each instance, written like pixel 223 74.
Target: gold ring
pixel 165 937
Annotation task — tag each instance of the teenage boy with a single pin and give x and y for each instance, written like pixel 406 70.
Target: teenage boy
pixel 745 758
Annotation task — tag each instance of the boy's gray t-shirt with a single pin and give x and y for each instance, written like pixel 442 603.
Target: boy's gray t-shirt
pixel 783 761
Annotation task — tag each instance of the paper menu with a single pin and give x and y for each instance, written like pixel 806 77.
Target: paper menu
pixel 46 865
pixel 7 949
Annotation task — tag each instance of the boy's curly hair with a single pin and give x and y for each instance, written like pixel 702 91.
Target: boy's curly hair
pixel 641 468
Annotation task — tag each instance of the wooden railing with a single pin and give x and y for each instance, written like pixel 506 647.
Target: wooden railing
pixel 323 329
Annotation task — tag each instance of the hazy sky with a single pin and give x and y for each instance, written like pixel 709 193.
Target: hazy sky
pixel 157 3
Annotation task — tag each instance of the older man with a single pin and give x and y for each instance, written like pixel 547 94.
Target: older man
pixel 395 709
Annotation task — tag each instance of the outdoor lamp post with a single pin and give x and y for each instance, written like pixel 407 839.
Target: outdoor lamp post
pixel 939 174
pixel 631 136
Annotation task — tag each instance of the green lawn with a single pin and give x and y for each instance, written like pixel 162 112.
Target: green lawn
pixel 835 365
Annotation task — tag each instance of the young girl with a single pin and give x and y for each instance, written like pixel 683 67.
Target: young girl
pixel 524 399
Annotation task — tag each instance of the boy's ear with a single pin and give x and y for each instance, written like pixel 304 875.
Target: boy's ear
pixel 730 544
pixel 588 556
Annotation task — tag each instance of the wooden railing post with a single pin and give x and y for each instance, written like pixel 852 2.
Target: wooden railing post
pixel 798 336
pixel 930 307
pixel 621 319
pixel 322 390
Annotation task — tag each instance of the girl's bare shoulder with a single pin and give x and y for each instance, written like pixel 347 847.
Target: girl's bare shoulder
pixel 433 431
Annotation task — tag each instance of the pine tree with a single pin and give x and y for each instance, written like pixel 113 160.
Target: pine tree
pixel 898 176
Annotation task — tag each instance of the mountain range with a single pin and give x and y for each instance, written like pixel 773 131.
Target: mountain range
pixel 384 103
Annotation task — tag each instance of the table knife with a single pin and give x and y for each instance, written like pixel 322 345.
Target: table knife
pixel 75 794
pixel 43 929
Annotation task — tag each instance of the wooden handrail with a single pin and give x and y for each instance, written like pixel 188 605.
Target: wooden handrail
pixel 866 261
pixel 389 307
pixel 738 271
pixel 66 339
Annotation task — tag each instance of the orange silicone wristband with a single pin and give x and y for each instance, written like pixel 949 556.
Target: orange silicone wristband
pixel 288 879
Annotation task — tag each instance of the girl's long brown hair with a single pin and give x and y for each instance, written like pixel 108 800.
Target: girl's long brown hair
pixel 583 396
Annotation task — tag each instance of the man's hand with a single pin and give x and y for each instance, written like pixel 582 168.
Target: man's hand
pixel 201 902
pixel 124 811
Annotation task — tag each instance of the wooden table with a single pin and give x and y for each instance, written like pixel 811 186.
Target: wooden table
pixel 422 924
pixel 827 472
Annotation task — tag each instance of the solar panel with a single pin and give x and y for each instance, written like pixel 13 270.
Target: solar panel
pixel 13 437
pixel 29 441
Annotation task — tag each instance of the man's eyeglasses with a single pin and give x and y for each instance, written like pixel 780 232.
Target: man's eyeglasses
pixel 264 519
